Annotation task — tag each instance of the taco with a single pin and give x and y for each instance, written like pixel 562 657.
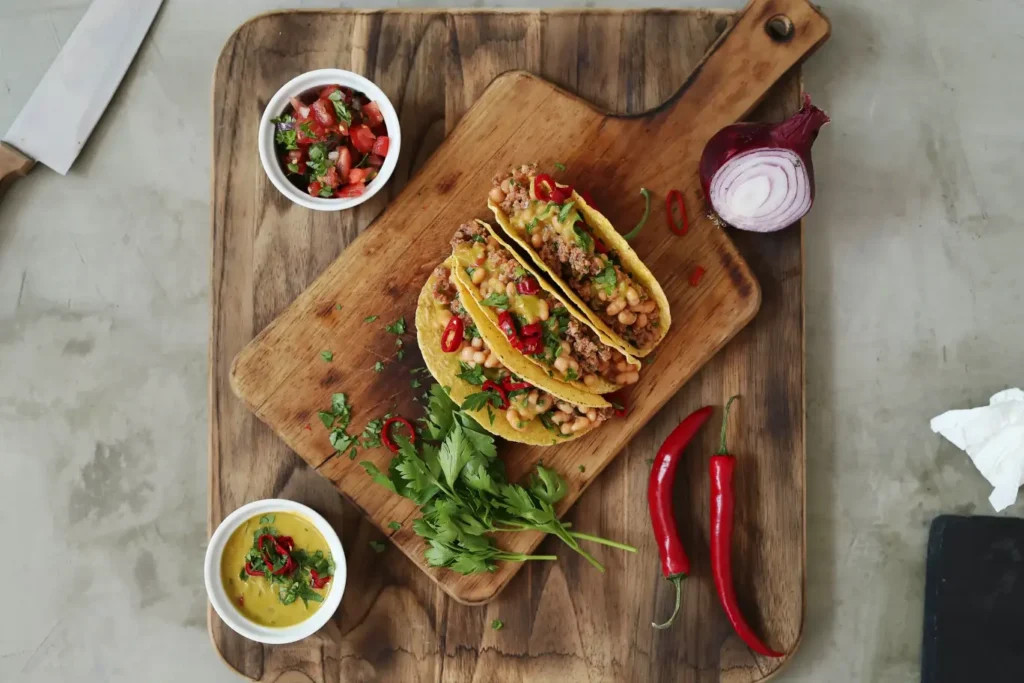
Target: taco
pixel 585 256
pixel 507 297
pixel 507 404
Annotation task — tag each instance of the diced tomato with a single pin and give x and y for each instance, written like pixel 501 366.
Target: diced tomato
pixel 309 131
pixel 344 162
pixel 362 138
pixel 299 110
pixel 357 175
pixel 380 146
pixel 371 115
pixel 314 188
pixel 326 92
pixel 332 178
pixel 295 157
pixel 375 161
pixel 342 127
pixel 353 190
pixel 323 111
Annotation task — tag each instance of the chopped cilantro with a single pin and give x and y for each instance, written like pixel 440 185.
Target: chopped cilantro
pixel 326 192
pixel 397 327
pixel 288 139
pixel 606 279
pixel 293 168
pixel 415 383
pixel 559 166
pixel 362 162
pixel 339 106
pixel 519 272
pixel 327 355
pixel 497 624
pixel 370 318
pixel 583 239
pixel 394 525
pixel 401 354
pixel 474 376
pixel 583 468
pixel 378 366
pixel 566 209
pixel 499 301
pixel 571 375
pixel 378 546
pixel 337 306
pixel 480 399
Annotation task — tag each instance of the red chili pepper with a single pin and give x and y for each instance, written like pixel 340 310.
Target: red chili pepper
pixel 696 276
pixel 528 285
pixel 722 507
pixel 241 601
pixel 252 572
pixel 531 330
pixel 675 565
pixel 677 197
pixel 587 198
pixel 453 334
pixel 286 543
pixel 560 194
pixel 508 326
pixel 600 247
pixel 318 581
pixel 622 399
pixel 539 190
pixel 509 386
pixel 386 437
pixel 496 388
pixel 532 345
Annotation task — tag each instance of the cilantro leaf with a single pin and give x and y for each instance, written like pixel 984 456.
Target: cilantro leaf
pixel 480 399
pixel 547 486
pixel 606 279
pixel 498 624
pixel 394 526
pixel 327 355
pixel 326 418
pixel 559 166
pixel 287 139
pixel 370 318
pixel 340 108
pixel 583 239
pixel 378 476
pixel 571 376
pixel 378 366
pixel 378 546
pixel 499 301
pixel 397 327
pixel 474 376
pixel 454 454
pixel 564 212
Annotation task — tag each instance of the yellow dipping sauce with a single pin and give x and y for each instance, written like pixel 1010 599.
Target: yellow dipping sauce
pixel 257 598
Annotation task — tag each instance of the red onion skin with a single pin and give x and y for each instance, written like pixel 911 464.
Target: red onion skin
pixel 797 133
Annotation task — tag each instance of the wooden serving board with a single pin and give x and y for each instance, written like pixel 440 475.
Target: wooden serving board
pixel 394 625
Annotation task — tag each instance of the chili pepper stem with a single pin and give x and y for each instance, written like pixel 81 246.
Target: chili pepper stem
pixel 722 450
pixel 603 541
pixel 676 579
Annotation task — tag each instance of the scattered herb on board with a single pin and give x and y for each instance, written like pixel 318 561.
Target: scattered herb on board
pixel 337 306
pixel 397 327
pixel 327 355
pixel 497 624
pixel 559 166
pixel 370 318
pixel 454 474
pixel 395 526
pixel 583 468
pixel 378 546
pixel 378 366
pixel 415 383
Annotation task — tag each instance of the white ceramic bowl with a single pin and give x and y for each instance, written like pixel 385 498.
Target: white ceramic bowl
pixel 226 609
pixel 315 80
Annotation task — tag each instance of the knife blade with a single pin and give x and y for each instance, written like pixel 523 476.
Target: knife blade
pixel 66 105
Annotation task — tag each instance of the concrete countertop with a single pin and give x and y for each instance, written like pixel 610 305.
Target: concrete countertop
pixel 914 305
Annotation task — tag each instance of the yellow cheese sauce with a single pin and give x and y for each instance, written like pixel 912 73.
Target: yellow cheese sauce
pixel 527 306
pixel 256 597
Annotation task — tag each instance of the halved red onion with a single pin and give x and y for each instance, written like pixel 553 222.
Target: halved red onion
pixel 759 176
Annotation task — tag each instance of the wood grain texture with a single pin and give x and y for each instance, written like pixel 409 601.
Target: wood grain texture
pixel 13 165
pixel 563 621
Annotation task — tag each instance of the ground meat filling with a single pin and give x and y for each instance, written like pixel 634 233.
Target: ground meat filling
pixel 593 356
pixel 468 233
pixel 444 288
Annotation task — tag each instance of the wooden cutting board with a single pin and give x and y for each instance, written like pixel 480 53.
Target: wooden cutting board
pixel 434 65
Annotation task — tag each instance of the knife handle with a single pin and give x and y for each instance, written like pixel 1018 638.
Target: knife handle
pixel 13 164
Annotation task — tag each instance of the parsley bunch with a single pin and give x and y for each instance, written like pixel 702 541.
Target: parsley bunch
pixel 456 477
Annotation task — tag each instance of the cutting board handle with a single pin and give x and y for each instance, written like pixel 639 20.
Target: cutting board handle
pixel 13 164
pixel 768 39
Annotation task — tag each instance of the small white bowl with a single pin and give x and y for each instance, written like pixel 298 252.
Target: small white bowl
pixel 226 609
pixel 315 80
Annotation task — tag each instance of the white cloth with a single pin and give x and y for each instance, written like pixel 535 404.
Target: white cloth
pixel 993 437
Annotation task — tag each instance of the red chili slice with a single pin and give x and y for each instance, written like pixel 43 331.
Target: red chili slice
pixel 677 197
pixel 561 194
pixel 318 581
pixel 451 338
pixel 539 190
pixel 508 326
pixel 385 436
pixel 696 276
pixel 509 386
pixel 532 345
pixel 620 398
pixel 252 572
pixel 496 388
pixel 531 330
pixel 528 285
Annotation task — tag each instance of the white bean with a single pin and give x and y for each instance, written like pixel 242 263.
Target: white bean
pixel 574 366
pixel 510 289
pixel 615 306
pixel 559 417
pixel 561 364
pixel 645 307
pixel 601 295
pixel 479 357
pixel 590 380
pixel 467 354
pixel 592 414
pixel 631 377
pixel 478 276
pixel 492 361
pixel 580 424
pixel 542 310
pixel 566 429
pixel 506 185
pixel 641 320
pixel 496 195
pixel 627 317
pixel 531 398
pixel 565 348
pixel 564 407
pixel 537 240
pixel 478 343
pixel 632 297
pixel 543 403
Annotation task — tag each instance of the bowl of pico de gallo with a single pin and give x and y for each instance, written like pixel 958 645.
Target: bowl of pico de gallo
pixel 329 139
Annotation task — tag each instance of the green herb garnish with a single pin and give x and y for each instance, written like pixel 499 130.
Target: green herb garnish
pixel 327 355
pixel 370 318
pixel 378 546
pixel 583 239
pixel 339 107
pixel 647 212
pixel 564 212
pixel 395 526
pixel 497 624
pixel 499 301
pixel 559 166
pixel 583 468
pixel 293 168
pixel 606 279
pixel 397 327
pixel 378 366
pixel 474 376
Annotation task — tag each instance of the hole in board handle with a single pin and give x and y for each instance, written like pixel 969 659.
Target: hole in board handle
pixel 779 28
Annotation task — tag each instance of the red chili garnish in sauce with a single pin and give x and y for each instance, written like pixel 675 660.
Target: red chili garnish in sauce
pixel 677 197
pixel 509 386
pixel 528 285
pixel 531 345
pixel 531 330
pixel 453 335
pixel 539 190
pixel 318 581
pixel 496 388
pixel 508 326
pixel 696 275
pixel 620 403
pixel 385 435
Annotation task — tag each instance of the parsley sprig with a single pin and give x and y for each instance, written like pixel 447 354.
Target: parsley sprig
pixel 455 475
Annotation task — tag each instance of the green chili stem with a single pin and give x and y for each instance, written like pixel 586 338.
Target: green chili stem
pixel 647 211
pixel 722 450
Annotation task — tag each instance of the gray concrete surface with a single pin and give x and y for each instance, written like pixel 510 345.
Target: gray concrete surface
pixel 913 277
